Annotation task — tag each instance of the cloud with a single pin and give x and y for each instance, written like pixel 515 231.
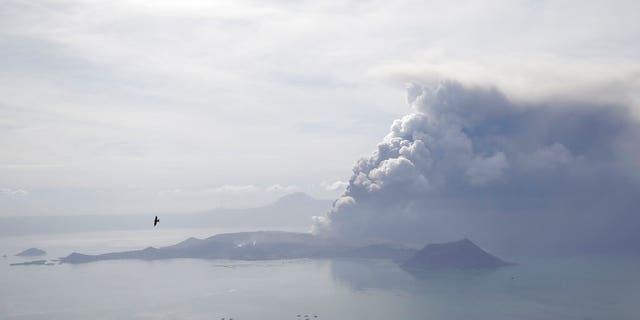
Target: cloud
pixel 280 188
pixel 531 77
pixel 249 188
pixel 335 185
pixel 468 161
pixel 227 188
pixel 170 192
pixel 13 192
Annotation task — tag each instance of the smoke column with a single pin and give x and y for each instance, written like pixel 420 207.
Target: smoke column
pixel 468 162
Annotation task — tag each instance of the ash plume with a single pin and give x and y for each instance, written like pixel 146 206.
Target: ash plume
pixel 469 162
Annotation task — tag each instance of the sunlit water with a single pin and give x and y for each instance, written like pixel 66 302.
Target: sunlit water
pixel 569 288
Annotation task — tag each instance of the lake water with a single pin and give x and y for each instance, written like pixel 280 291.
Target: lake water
pixel 586 287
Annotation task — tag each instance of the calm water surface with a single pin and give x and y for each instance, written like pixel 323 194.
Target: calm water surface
pixel 569 288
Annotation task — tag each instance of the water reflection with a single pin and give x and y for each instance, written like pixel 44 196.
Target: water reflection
pixel 361 275
pixel 581 288
pixel 387 275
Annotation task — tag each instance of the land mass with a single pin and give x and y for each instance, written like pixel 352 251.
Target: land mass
pixel 271 245
pixel 259 245
pixel 31 252
pixel 33 263
pixel 462 254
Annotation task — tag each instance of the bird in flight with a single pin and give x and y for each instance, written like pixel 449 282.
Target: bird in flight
pixel 155 222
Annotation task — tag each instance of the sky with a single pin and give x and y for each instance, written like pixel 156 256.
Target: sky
pixel 171 106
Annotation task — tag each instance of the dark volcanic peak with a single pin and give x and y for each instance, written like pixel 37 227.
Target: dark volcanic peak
pixel 462 254
pixel 31 252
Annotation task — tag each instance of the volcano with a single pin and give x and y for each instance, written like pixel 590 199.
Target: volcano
pixel 462 254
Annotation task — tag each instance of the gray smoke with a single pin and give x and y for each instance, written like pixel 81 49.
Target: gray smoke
pixel 470 162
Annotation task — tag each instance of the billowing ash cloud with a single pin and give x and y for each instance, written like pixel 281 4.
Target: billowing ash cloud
pixel 470 162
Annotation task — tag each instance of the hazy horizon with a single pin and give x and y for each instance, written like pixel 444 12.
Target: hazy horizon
pixel 239 206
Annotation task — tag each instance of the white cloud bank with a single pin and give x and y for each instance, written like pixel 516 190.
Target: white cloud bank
pixel 335 185
pixel 527 78
pixel 13 192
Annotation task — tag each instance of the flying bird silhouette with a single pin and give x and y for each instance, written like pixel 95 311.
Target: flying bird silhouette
pixel 155 222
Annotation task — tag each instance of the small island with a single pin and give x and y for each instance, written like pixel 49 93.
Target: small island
pixel 462 254
pixel 31 252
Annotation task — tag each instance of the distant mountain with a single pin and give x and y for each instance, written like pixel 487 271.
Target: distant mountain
pixel 462 254
pixel 31 252
pixel 258 245
pixel 291 212
pixel 296 199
